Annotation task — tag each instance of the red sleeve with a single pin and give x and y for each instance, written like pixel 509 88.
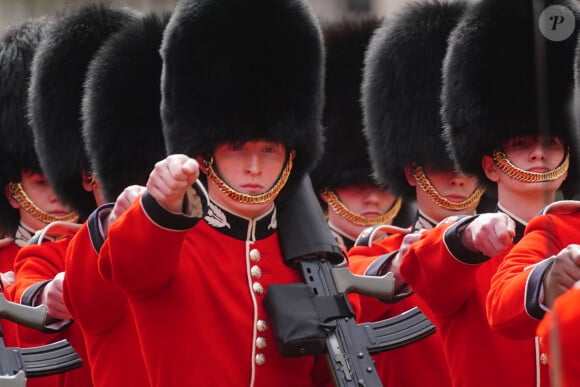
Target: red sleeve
pixel 444 280
pixel 34 266
pixel 512 304
pixel 143 247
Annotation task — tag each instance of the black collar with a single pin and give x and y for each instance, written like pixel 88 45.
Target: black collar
pixel 240 227
pixel 422 222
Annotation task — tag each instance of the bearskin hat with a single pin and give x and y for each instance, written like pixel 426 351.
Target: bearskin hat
pixel 235 71
pixel 401 89
pixel 17 46
pixel 55 95
pixel 345 158
pixel 121 118
pixel 490 91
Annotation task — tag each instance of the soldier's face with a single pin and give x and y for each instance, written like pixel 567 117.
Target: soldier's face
pixel 252 168
pixel 36 186
pixel 366 200
pixel 535 153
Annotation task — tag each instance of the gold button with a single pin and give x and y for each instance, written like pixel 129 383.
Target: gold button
pixel 261 326
pixel 256 272
pixel 260 359
pixel 544 359
pixel 255 255
pixel 261 342
pixel 258 288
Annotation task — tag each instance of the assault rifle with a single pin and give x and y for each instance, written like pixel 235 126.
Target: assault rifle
pixel 316 316
pixel 18 364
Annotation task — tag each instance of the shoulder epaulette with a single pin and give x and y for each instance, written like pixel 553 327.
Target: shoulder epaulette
pixel 373 234
pixel 562 207
pixel 54 230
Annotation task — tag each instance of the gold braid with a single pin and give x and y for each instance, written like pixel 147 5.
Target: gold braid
pixel 506 166
pixel 28 205
pixel 341 209
pixel 247 198
pixel 423 182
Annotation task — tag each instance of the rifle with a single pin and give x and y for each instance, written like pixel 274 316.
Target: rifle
pixel 16 364
pixel 316 316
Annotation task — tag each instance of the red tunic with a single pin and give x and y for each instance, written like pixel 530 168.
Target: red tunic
pixel 196 288
pixel 513 306
pixel 35 265
pixel 454 283
pixel 416 365
pixel 560 339
pixel 102 312
pixel 9 331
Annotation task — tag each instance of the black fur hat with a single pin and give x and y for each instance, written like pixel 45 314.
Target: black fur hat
pixel 243 70
pixel 55 96
pixel 17 45
pixel 401 89
pixel 345 159
pixel 490 90
pixel 121 118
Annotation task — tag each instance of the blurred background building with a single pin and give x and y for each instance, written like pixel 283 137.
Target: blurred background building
pixel 12 11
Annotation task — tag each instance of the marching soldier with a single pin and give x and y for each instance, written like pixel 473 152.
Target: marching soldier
pixel 343 177
pixel 55 95
pixel 123 137
pixel 28 203
pixel 489 110
pixel 401 87
pixel 241 108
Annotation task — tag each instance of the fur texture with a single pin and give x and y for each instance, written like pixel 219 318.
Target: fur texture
pixel 345 159
pixel 121 118
pixel 401 88
pixel 55 95
pixel 490 90
pixel 243 70
pixel 17 45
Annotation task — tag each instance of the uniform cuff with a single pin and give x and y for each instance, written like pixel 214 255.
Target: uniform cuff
pixel 456 248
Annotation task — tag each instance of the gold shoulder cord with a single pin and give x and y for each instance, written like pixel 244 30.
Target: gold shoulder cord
pixel 28 205
pixel 247 198
pixel 506 166
pixel 423 182
pixel 341 209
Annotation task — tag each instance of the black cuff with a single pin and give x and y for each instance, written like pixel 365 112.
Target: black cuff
pixel 381 265
pixel 452 240
pixel 93 225
pixel 30 294
pixel 167 219
pixel 534 287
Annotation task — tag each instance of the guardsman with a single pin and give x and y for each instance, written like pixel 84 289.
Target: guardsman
pixel 242 89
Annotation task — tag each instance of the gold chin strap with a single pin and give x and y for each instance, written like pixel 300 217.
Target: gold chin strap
pixel 503 163
pixel 28 205
pixel 243 198
pixel 423 182
pixel 341 209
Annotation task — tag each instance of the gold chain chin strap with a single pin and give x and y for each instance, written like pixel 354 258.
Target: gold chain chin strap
pixel 425 184
pixel 247 198
pixel 28 205
pixel 341 209
pixel 506 166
